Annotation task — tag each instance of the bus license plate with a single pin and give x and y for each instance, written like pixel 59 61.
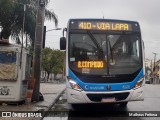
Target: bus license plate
pixel 112 99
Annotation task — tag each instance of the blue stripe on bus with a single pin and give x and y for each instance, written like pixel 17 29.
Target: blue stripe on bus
pixel 103 86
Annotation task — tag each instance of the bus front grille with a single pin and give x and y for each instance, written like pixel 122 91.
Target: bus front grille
pixel 98 97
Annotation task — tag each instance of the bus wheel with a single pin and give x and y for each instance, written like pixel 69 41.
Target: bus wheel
pixel 75 106
pixel 123 104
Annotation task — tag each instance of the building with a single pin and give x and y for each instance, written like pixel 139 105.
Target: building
pixel 157 69
pixel 148 63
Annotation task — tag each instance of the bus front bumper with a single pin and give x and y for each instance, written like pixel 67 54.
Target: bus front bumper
pixel 75 97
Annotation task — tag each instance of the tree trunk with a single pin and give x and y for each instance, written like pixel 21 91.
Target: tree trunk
pixel 45 73
pixel 55 76
pixel 5 34
pixel 48 73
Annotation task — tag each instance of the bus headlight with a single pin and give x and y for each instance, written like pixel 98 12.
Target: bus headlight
pixel 74 85
pixel 139 83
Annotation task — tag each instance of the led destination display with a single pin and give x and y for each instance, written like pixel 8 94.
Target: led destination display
pixel 90 64
pixel 104 26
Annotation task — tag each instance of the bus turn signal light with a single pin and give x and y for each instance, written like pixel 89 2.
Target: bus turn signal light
pixel 74 85
pixel 139 83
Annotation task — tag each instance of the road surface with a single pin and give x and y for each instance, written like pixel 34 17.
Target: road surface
pixel 137 110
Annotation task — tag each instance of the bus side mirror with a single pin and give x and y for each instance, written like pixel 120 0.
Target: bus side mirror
pixel 62 43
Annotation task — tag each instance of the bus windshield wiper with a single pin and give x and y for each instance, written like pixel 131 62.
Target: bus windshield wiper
pixel 111 50
pixel 96 43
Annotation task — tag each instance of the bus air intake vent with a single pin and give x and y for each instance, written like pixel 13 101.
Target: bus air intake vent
pixel 98 97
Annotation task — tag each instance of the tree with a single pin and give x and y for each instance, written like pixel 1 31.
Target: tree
pixel 52 61
pixel 58 62
pixel 11 18
pixel 46 61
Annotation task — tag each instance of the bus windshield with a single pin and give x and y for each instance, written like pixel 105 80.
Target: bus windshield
pixel 104 53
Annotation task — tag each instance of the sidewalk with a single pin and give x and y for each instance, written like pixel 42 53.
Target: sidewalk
pixel 50 92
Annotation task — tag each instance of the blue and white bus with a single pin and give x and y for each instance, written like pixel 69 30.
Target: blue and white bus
pixel 104 61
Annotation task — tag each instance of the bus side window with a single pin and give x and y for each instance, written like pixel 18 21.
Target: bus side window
pixel 135 49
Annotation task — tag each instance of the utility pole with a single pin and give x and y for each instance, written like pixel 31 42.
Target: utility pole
pixel 154 80
pixel 24 16
pixel 38 48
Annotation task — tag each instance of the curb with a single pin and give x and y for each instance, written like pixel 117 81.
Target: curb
pixel 52 104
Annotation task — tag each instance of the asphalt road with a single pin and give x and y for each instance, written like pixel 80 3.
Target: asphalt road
pixel 137 110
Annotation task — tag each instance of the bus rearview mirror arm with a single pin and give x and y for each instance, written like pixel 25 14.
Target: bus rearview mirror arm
pixel 64 30
pixel 63 41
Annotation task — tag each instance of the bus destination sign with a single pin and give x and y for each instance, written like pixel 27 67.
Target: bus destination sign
pixel 105 26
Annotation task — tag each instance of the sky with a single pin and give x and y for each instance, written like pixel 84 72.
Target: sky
pixel 146 12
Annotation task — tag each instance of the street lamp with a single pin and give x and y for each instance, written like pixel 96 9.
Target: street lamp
pixel 54 29
pixel 44 34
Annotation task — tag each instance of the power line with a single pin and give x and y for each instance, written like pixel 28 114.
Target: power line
pixel 51 42
pixel 153 47
pixel 54 29
pixel 55 35
pixel 152 41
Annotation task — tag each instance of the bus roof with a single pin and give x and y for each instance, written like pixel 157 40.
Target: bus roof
pixel 98 19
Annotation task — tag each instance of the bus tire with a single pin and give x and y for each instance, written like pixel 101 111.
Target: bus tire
pixel 123 104
pixel 74 106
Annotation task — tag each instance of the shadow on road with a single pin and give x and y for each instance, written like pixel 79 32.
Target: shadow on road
pixel 103 112
pixel 98 110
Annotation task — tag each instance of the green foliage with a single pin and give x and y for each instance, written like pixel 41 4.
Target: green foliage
pixel 12 13
pixel 46 60
pixel 52 61
pixel 58 61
